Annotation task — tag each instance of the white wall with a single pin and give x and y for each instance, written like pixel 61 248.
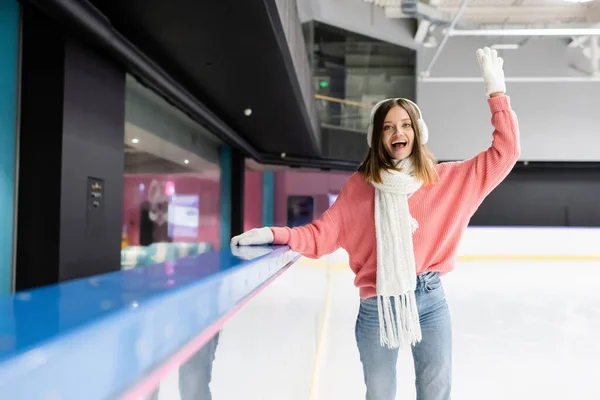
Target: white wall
pixel 558 121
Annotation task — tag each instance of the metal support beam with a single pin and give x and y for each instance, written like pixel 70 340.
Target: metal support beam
pixel 439 49
pixel 566 32
pixel 595 55
pixel 323 164
pixel 422 31
pixel 520 79
pixel 530 13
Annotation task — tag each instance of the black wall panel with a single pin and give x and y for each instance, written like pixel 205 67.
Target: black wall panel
pixel 565 195
pixel 93 131
pixel 40 150
pixel 71 136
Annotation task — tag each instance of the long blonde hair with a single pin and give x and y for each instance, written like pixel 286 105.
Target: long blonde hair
pixel 378 159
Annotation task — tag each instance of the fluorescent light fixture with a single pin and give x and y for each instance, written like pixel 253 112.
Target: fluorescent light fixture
pixel 526 32
pixel 505 46
pixel 578 1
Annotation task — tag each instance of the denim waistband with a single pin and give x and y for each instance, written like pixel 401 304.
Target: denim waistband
pixel 424 278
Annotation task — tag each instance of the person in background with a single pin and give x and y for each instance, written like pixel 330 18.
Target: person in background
pixel 400 217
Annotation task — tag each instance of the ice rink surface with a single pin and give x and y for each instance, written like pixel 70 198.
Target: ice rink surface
pixel 522 330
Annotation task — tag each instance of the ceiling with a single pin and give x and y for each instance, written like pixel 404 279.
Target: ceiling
pixel 509 12
pixel 521 19
pixel 229 55
pixel 234 57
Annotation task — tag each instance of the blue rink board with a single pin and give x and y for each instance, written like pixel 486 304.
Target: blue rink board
pixel 94 338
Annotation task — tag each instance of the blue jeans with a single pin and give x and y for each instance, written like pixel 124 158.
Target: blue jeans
pixel 196 373
pixel 432 356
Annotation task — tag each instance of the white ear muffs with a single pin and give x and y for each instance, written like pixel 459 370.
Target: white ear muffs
pixel 423 130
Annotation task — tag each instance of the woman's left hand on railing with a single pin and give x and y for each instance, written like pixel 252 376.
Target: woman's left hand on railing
pixel 257 236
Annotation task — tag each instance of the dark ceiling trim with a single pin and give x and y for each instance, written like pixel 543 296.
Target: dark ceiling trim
pixel 84 17
pixel 561 165
pixel 87 20
pixel 324 164
pixel 548 165
pixel 285 51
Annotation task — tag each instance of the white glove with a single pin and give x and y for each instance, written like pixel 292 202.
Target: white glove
pixel 491 69
pixel 254 237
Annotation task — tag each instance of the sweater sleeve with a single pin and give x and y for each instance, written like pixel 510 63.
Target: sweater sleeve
pixel 321 236
pixel 489 168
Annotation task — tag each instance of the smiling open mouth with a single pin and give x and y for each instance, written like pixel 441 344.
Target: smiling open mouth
pixel 400 144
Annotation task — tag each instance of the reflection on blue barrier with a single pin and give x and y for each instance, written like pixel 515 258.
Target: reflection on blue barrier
pixel 97 338
pixel 139 256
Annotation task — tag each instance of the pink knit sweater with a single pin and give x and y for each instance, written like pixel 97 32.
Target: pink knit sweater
pixel 443 210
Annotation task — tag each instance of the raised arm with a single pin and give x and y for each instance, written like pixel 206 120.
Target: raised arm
pixel 491 166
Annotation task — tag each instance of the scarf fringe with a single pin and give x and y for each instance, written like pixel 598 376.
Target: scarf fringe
pixel 403 328
pixel 414 224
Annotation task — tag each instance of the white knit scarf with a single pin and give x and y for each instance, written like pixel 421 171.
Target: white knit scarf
pixel 396 272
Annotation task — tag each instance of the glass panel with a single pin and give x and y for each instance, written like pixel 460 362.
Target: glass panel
pixel 171 183
pixel 351 72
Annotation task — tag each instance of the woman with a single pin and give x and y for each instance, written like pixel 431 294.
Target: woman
pixel 400 218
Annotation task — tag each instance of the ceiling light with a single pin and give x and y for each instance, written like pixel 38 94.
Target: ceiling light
pixel 135 140
pixel 248 112
pixel 186 161
pixel 505 46
pixel 578 1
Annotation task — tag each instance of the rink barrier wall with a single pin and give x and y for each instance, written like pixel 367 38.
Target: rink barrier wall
pixel 117 335
pixel 576 244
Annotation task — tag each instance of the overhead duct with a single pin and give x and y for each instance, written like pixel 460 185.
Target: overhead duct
pixel 413 9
